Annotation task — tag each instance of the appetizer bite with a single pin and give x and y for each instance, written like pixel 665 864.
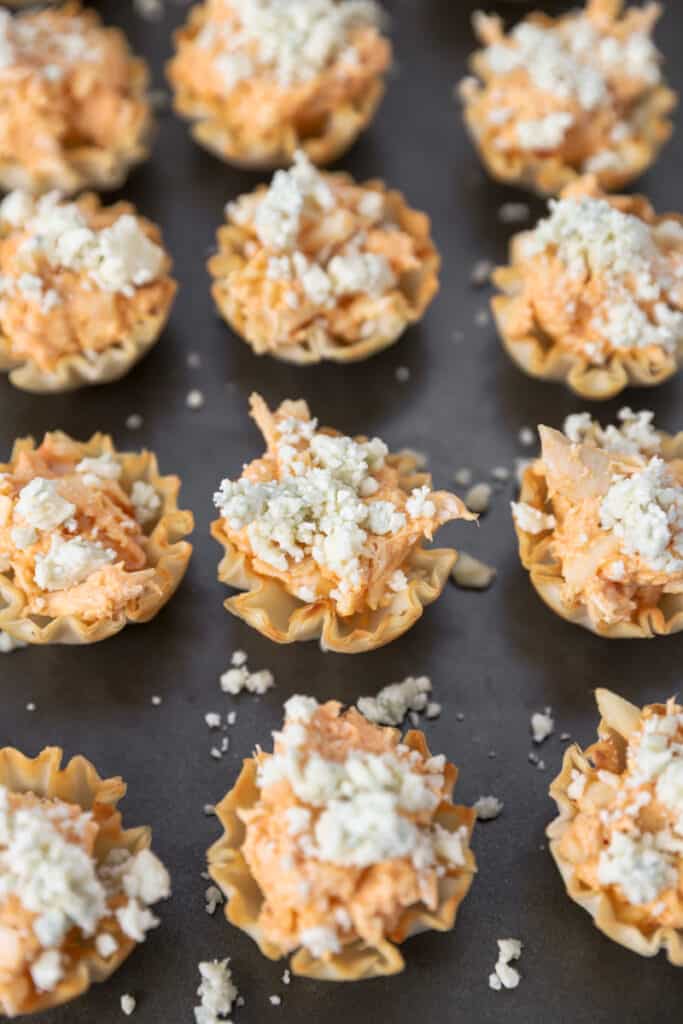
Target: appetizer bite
pixel 558 97
pixel 74 111
pixel 325 532
pixel 317 267
pixel 593 295
pixel 342 843
pixel 618 840
pixel 75 886
pixel 263 78
pixel 90 539
pixel 85 290
pixel 600 525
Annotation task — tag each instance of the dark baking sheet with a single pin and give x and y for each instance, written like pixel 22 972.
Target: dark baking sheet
pixel 493 657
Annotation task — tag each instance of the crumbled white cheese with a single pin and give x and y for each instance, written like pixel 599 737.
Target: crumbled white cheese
pixel 118 258
pixel 239 677
pixel 54 879
pixel 392 703
pixel 291 193
pixel 531 519
pixel 146 501
pixel 41 505
pixel 320 941
pixel 128 1004
pixel 294 40
pixel 47 971
pixel 214 899
pixel 101 468
pixel 635 434
pixel 321 509
pixel 70 562
pixel 572 60
pixel 194 399
pixel 216 991
pixel 363 801
pixel 106 945
pixel 645 511
pixel 542 725
pixel 505 976
pixel 398 581
pixel 302 192
pixel 577 785
pixel 545 132
pixel 592 237
pixel 633 862
pixel 488 807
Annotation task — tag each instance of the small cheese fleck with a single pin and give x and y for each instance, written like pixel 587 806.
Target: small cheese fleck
pixel 128 1004
pixel 488 807
pixel 216 991
pixel 392 703
pixel 68 563
pixel 505 976
pixel 530 519
pixel 542 725
pixel 194 399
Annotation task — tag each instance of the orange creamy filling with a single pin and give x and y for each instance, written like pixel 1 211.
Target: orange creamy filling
pixel 614 796
pixel 586 135
pixel 598 569
pixel 81 318
pixel 303 892
pixel 67 86
pixel 282 307
pixel 555 304
pixel 103 515
pixel 256 107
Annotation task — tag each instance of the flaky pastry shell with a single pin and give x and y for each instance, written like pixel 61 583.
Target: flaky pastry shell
pixel 619 719
pixel 541 356
pixel 357 960
pixel 545 571
pixel 168 554
pixel 414 292
pixel 336 134
pixel 269 608
pixel 548 174
pixel 89 165
pixel 78 783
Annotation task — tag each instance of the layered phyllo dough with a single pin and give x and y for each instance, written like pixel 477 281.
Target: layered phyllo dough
pixel 618 840
pixel 74 112
pixel 317 267
pixel 593 295
pixel 263 78
pixel 85 290
pixel 90 539
pixel 342 843
pixel 76 888
pixel 325 533
pixel 580 93
pixel 600 525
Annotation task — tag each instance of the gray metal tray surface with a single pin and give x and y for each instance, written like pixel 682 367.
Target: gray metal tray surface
pixel 493 657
